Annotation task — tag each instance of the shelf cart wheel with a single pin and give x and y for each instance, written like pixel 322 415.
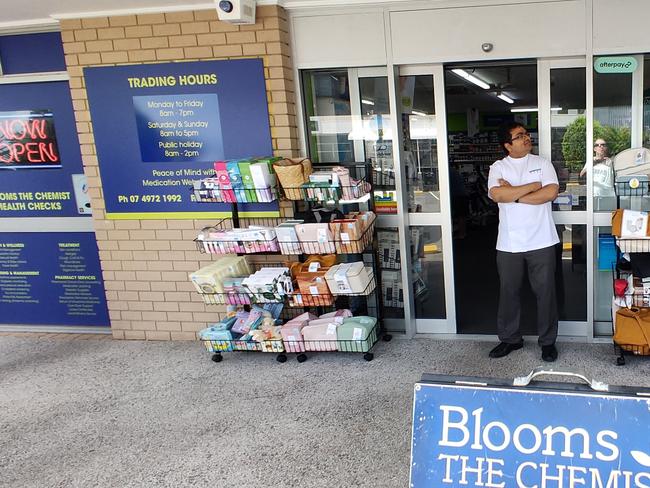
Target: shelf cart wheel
pixel 282 358
pixel 368 356
pixel 217 358
pixel 620 361
pixel 387 337
pixel 301 358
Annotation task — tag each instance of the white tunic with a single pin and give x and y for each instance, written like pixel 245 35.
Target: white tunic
pixel 524 227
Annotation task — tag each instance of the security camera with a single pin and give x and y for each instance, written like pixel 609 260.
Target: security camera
pixel 236 11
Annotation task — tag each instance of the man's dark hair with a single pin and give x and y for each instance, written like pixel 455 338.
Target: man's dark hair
pixel 505 135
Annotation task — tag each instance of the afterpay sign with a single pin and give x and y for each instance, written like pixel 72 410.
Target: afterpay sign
pixel 615 64
pixel 507 437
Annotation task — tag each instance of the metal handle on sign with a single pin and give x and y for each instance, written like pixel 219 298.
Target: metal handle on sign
pixel 540 370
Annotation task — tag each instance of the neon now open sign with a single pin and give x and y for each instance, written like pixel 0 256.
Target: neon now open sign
pixel 506 437
pixel 28 140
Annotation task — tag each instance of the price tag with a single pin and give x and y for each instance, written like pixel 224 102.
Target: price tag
pixel 313 290
pixel 331 329
pixel 291 338
pixel 313 267
pixel 345 237
pixel 338 320
pixel 322 236
pixel 357 334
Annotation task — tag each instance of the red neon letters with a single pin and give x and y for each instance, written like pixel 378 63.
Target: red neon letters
pixel 26 141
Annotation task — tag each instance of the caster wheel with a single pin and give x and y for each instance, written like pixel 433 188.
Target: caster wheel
pixel 302 358
pixel 620 361
pixel 282 358
pixel 387 337
pixel 368 356
pixel 217 358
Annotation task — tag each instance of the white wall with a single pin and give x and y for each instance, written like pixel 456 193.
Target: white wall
pixel 531 30
pixel 621 26
pixel 341 40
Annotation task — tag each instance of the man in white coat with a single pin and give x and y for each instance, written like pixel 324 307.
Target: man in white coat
pixel 524 185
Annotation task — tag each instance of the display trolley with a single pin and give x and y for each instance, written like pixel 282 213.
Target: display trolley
pixel 303 301
pixel 631 283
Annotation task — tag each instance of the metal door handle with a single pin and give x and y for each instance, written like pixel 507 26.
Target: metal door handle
pixel 541 370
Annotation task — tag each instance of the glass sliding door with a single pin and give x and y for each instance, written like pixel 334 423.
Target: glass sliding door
pixel 422 126
pixel 563 140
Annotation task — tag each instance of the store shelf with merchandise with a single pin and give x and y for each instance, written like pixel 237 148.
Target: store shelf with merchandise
pixel 314 271
pixel 631 274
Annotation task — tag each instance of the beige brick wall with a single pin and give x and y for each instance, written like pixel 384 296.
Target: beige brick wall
pixel 146 262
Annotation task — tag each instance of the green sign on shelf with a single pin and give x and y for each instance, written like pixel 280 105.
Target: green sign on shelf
pixel 615 64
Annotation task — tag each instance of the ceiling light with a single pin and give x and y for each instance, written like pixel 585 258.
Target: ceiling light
pixel 367 102
pixel 471 78
pixel 505 98
pixel 532 109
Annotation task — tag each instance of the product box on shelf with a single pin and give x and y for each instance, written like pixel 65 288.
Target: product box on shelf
pixel 209 279
pixel 247 181
pixel 349 278
pixel 263 181
pixel 292 332
pixel 227 193
pixel 320 336
pixel 288 237
pixel 357 334
pixel 268 284
pixel 236 181
pixel 316 238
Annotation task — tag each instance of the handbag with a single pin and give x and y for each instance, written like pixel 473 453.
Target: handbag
pixel 633 330
pixel 292 173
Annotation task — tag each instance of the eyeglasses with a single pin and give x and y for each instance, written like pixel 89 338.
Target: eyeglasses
pixel 600 144
pixel 520 136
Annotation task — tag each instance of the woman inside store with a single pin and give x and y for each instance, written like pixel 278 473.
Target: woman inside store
pixel 603 170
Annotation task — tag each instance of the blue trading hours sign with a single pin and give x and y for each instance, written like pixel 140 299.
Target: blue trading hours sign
pixel 160 127
pixel 501 437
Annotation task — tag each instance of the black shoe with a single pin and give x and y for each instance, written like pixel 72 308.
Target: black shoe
pixel 549 353
pixel 503 349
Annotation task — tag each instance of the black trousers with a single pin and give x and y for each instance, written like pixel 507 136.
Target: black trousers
pixel 541 265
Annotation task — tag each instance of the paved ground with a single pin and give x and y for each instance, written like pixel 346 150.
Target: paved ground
pixel 84 412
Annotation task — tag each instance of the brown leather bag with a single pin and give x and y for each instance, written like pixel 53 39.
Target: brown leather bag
pixel 633 330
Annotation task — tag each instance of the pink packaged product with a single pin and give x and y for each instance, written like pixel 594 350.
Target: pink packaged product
pixel 316 238
pixel 344 312
pixel 227 193
pixel 305 317
pixel 292 337
pixel 320 337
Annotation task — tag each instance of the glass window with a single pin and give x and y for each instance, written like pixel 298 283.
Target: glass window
pixel 328 115
pixel 605 252
pixel 428 273
pixel 568 136
pixel 612 132
pixel 420 143
pixel 373 139
pixel 571 272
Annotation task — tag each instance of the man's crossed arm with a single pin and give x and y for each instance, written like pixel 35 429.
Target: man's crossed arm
pixel 531 193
